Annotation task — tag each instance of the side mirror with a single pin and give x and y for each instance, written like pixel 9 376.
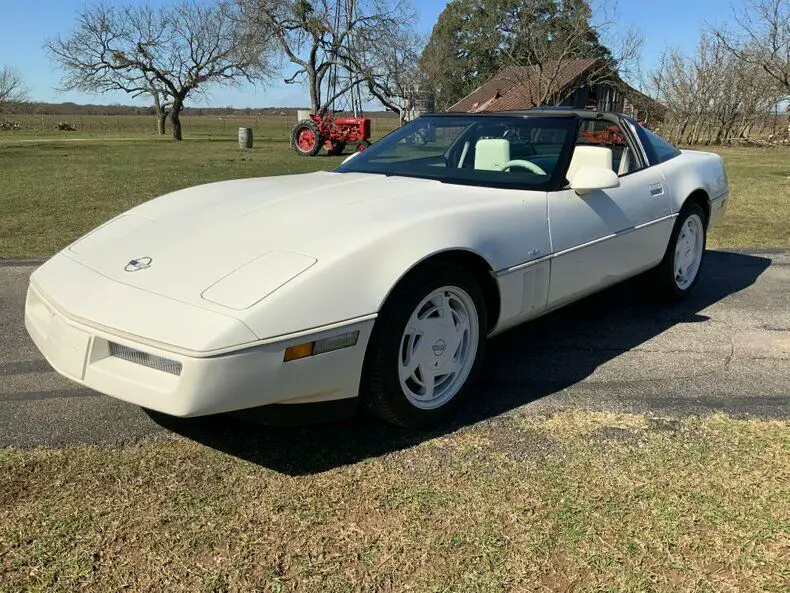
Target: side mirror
pixel 589 178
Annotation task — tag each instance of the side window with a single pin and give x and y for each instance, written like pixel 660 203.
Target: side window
pixel 658 150
pixel 597 132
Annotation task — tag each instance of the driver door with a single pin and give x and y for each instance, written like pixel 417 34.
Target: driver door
pixel 607 235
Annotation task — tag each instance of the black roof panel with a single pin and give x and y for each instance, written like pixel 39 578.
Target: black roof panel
pixel 542 111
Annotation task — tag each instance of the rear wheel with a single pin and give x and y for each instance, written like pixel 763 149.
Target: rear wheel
pixel 426 347
pixel 306 138
pixel 362 145
pixel 679 271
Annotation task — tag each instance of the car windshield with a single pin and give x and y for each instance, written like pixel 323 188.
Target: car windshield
pixel 529 152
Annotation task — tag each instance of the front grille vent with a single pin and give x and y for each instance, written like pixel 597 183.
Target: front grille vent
pixel 143 358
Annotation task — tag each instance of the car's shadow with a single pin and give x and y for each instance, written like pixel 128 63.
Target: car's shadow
pixel 532 361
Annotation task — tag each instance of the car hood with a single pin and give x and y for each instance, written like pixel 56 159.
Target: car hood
pixel 187 245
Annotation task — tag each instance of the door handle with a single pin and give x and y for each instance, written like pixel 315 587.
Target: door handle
pixel 657 189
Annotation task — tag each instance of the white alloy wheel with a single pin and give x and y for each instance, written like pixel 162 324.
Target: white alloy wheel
pixel 438 347
pixel 689 247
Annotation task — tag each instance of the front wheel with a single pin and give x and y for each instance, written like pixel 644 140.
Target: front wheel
pixel 362 145
pixel 426 347
pixel 679 271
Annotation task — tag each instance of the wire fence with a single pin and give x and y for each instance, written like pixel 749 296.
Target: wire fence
pixel 264 127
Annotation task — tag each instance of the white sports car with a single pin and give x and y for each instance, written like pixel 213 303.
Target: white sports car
pixel 381 279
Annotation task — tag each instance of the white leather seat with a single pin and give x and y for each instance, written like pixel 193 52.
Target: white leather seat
pixel 491 154
pixel 595 156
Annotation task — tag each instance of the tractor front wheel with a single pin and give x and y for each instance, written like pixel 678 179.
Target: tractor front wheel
pixel 362 145
pixel 306 138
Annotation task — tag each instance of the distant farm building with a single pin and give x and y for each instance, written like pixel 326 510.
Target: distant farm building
pixel 581 84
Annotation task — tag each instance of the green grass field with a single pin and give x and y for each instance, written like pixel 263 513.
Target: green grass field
pixel 56 186
pixel 759 211
pixel 575 502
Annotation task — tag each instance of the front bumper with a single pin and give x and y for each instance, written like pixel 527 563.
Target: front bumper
pixel 251 377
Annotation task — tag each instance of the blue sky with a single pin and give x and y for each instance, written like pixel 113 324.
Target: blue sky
pixel 26 23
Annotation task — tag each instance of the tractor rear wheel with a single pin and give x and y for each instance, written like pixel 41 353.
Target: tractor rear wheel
pixel 362 145
pixel 337 148
pixel 306 138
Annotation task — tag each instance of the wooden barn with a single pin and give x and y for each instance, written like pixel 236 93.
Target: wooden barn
pixel 582 84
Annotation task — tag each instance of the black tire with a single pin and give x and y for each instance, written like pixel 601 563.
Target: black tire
pixel 381 390
pixel 362 145
pixel 663 276
pixel 297 139
pixel 337 149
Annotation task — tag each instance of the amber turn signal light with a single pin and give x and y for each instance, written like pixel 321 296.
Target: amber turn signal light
pixel 321 346
pixel 299 351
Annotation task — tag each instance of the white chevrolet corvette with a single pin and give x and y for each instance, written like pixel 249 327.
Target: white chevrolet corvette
pixel 381 279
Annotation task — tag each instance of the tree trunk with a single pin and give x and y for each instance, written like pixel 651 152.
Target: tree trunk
pixel 775 123
pixel 315 92
pixel 175 121
pixel 693 138
pixel 161 119
pixel 743 126
pixel 682 131
pixel 161 114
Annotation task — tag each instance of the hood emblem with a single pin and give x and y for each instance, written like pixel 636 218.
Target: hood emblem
pixel 141 263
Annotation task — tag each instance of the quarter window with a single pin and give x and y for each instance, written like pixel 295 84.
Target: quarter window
pixel 658 150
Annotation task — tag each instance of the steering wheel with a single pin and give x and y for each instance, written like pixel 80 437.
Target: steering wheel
pixel 525 164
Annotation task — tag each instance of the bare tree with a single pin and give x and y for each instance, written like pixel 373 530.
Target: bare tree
pixel 81 57
pixel 711 95
pixel 761 37
pixel 12 88
pixel 317 36
pixel 393 76
pixel 170 52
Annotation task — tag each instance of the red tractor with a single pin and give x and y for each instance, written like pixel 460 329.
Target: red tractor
pixel 333 134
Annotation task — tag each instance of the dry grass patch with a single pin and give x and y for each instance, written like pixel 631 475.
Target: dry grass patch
pixel 578 501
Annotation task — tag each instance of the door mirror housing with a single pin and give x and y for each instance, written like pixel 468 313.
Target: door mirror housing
pixel 589 178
